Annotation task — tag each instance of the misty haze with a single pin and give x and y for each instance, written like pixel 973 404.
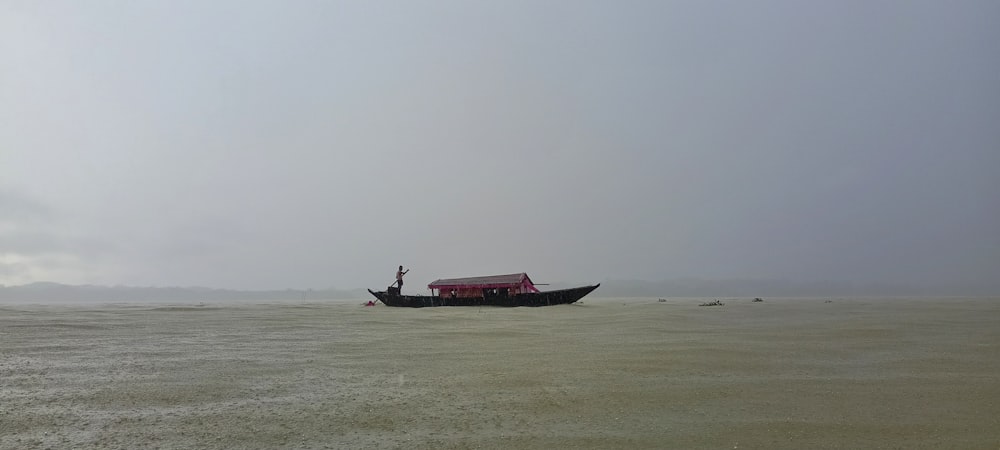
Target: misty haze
pixel 262 146
pixel 196 196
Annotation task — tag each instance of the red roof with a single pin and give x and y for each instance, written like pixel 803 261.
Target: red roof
pixel 491 281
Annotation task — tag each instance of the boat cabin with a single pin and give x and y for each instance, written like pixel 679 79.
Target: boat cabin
pixel 486 287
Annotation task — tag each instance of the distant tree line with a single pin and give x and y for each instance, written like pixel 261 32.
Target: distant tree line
pixel 88 293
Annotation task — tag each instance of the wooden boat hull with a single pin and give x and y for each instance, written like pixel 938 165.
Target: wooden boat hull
pixel 547 298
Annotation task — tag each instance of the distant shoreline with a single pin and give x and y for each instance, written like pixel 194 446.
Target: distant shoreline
pixel 693 288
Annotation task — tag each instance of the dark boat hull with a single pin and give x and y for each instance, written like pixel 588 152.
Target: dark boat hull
pixel 547 298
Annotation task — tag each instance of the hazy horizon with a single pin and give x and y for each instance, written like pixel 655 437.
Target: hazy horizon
pixel 265 145
pixel 675 288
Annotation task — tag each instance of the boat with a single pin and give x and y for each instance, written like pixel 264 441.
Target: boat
pixel 494 290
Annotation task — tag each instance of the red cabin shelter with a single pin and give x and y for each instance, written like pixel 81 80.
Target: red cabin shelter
pixel 488 286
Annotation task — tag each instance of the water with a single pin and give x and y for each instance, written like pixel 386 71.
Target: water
pixel 607 373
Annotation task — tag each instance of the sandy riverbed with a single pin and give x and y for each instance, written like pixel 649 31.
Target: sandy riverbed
pixel 630 373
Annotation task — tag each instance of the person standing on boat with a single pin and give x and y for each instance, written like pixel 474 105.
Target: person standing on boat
pixel 399 278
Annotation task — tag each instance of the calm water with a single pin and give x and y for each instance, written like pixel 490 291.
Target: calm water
pixel 784 373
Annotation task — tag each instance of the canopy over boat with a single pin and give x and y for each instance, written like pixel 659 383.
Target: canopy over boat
pixel 515 289
pixel 513 283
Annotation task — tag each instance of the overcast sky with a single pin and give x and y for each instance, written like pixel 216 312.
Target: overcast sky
pixel 273 144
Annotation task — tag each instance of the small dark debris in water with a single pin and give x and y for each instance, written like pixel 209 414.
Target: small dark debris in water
pixel 663 300
pixel 828 301
pixel 715 303
pixel 758 300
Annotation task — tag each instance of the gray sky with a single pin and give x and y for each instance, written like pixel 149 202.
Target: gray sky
pixel 273 144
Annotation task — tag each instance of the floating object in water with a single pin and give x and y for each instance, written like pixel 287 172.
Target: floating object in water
pixel 495 290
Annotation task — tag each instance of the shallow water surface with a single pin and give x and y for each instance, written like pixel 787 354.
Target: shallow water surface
pixel 624 373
